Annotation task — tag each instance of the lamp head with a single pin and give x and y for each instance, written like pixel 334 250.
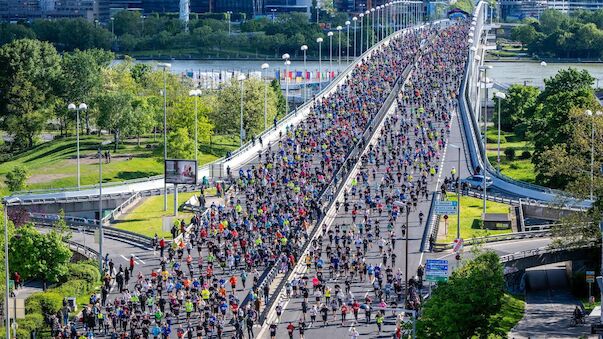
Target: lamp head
pixel 304 47
pixel 265 66
pixel 83 107
pixel 71 107
pixel 318 40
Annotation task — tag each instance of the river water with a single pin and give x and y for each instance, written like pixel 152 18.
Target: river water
pixel 532 73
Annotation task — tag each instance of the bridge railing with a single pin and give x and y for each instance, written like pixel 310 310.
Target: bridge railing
pixel 89 226
pixel 543 250
pixel 83 250
pixel 472 130
pixel 438 247
pixel 115 213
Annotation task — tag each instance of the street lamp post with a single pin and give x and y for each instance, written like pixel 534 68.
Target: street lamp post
pixel 339 28
pixel 347 45
pixel 241 78
pixel 458 192
pixel 304 48
pixel 354 19
pixel 100 207
pixel 286 57
pixel 77 109
pixel 319 41
pixel 112 27
pixel 165 67
pixel 378 29
pixel 372 27
pixel 264 71
pixel 229 13
pixel 367 14
pixel 196 93
pixel 485 68
pixel 361 15
pixel 330 35
pixel 500 96
pixel 6 202
pixel 592 148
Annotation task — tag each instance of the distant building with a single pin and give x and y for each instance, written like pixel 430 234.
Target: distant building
pixel 14 10
pixel 520 9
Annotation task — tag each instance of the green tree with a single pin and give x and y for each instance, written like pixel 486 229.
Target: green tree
pixel 10 32
pixel 526 34
pixel 16 179
pixel 180 144
pixel 81 75
pixel 37 255
pixel 116 114
pixel 463 307
pixel 28 71
pixel 127 22
pixel 226 115
pixel 518 109
pixel 281 102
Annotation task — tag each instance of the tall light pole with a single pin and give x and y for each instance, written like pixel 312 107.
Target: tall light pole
pixel 382 22
pixel 196 93
pixel 286 57
pixel 100 207
pixel 500 96
pixel 372 30
pixel 458 193
pixel 142 24
pixel 386 25
pixel 6 202
pixel 241 79
pixel 339 28
pixel 378 29
pixel 319 41
pixel 367 15
pixel 592 148
pixel 304 48
pixel 264 71
pixel 229 13
pixel 77 109
pixel 113 27
pixel 361 15
pixel 485 68
pixel 330 35
pixel 165 67
pixel 354 19
pixel 347 45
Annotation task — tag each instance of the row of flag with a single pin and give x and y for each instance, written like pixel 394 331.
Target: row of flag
pixel 298 76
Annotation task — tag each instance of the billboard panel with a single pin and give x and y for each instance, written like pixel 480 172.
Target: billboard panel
pixel 181 172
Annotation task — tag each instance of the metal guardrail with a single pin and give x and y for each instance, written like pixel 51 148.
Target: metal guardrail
pixel 432 223
pixel 89 225
pixel 543 250
pixel 438 247
pixel 83 250
pixel 119 209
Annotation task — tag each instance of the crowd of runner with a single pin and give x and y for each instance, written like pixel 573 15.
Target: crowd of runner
pixel 358 252
pixel 204 276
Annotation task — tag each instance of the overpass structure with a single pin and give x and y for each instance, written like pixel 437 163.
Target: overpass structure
pixel 471 112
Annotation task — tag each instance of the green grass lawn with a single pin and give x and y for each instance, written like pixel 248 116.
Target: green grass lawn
pixel 518 168
pixel 53 164
pixel 510 314
pixel 471 216
pixel 147 217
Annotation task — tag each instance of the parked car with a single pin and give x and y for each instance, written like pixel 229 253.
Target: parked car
pixel 477 181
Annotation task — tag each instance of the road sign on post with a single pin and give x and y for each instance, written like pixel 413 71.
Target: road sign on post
pixel 457 246
pixel 590 277
pixel 436 270
pixel 446 207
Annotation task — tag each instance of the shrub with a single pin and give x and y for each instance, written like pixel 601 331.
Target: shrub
pixel 510 153
pixel 513 166
pixel 526 155
pixel 43 302
pixel 73 288
pixel 83 271
pixel 493 139
pixel 33 321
